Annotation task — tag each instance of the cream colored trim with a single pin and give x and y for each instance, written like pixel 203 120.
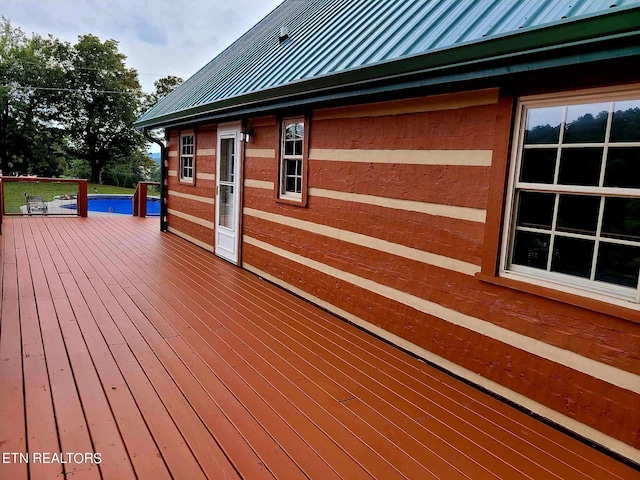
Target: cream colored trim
pixel 173 153
pixel 206 151
pixel 447 101
pixel 467 158
pixel 260 152
pixel 205 176
pixel 265 185
pixel 449 211
pixel 369 242
pixel 531 405
pixel 191 218
pixel 190 239
pixel 172 173
pixel 188 196
pixel 599 370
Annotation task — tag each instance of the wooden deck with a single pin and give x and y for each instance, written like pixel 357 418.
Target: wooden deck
pixel 170 363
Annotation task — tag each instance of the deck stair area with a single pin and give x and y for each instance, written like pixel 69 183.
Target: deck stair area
pixel 121 340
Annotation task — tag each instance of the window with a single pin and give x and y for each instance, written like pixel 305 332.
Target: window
pixel 187 145
pixel 293 160
pixel 574 206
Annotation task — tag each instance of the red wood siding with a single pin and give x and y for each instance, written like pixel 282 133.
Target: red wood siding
pixel 329 233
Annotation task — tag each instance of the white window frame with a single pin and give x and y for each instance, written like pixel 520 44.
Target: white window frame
pixel 185 158
pixel 617 294
pixel 284 158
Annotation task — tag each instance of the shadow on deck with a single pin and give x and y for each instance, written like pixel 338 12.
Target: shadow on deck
pixel 118 340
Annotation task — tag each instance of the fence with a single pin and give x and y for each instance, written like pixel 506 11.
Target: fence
pixel 43 196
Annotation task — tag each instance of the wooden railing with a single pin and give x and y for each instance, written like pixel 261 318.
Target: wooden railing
pixel 42 196
pixel 140 198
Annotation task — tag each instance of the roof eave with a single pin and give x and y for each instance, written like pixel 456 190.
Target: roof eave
pixel 548 42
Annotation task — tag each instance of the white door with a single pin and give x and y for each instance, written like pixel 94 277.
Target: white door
pixel 227 180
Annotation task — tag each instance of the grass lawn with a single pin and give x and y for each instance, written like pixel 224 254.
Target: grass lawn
pixel 14 192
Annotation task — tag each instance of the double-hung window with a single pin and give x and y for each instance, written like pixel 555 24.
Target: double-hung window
pixel 573 213
pixel 292 160
pixel 187 157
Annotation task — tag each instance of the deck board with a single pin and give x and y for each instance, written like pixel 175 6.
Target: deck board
pixel 172 363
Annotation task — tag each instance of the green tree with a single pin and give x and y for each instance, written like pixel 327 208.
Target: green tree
pixel 100 104
pixel 31 139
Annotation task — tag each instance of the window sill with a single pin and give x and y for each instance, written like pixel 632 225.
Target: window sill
pixel 298 202
pixel 190 183
pixel 630 312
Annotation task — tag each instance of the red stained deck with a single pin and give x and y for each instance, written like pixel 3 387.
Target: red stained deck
pixel 171 363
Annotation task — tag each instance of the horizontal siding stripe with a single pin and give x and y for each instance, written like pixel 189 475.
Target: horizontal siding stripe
pixel 531 405
pixel 197 198
pixel 412 105
pixel 191 218
pixel 172 173
pixel 260 152
pixel 259 184
pixel 205 176
pixel 369 242
pixel 173 153
pixel 190 239
pixel 206 151
pixel 468 158
pixel 450 211
pixel 606 373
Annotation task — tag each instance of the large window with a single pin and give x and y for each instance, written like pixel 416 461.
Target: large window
pixel 292 160
pixel 187 156
pixel 574 207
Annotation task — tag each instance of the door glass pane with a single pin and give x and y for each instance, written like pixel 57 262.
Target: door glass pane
pixel 586 123
pixel 580 166
pixel 227 146
pixel 623 167
pixel 626 121
pixel 543 125
pixel 535 210
pixel 618 264
pixel 538 165
pixel 621 218
pixel 531 249
pixel 578 214
pixel 572 256
pixel 226 206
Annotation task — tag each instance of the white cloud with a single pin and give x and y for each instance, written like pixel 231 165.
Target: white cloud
pixel 159 37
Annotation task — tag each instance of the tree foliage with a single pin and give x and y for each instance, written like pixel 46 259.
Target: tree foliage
pixel 70 107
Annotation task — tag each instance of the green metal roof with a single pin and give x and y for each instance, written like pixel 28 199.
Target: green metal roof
pixel 336 43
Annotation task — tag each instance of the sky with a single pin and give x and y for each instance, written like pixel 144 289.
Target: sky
pixel 159 37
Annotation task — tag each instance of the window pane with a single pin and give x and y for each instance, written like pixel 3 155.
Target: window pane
pixel 292 166
pixel 299 129
pixel 580 166
pixel 290 131
pixel 618 264
pixel 578 214
pixel 290 184
pixel 288 147
pixel 227 147
pixel 226 206
pixel 538 165
pixel 298 185
pixel 535 209
pixel 531 249
pixel 586 123
pixel 626 121
pixel 543 125
pixel 298 147
pixel 621 218
pixel 572 256
pixel 623 167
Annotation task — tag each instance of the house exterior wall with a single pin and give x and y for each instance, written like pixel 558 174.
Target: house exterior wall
pixel 400 234
pixel 191 207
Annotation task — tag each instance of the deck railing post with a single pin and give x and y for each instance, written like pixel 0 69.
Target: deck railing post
pixel 82 200
pixel 142 199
